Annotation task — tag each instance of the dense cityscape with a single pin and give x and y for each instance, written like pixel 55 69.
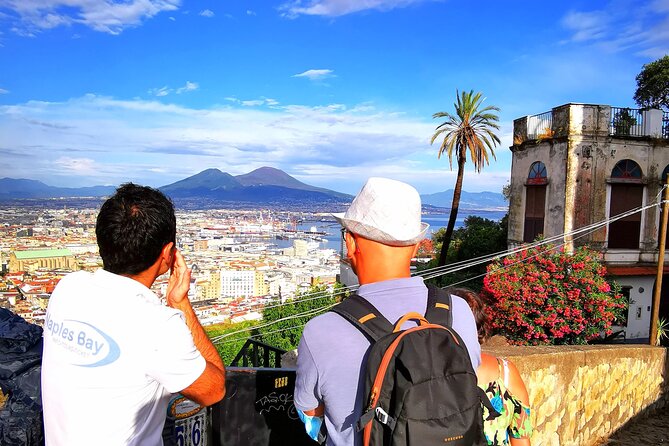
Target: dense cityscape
pixel 240 259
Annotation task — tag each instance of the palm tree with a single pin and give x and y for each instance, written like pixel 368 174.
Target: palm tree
pixel 470 130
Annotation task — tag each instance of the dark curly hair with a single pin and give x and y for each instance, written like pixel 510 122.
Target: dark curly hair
pixel 479 309
pixel 132 228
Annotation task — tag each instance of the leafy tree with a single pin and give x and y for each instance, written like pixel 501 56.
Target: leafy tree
pixel 623 121
pixel 506 191
pixel 469 131
pixel 478 237
pixel 653 85
pixel 229 346
pixel 286 332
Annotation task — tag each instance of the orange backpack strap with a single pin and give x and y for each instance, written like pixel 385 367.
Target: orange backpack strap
pixel 364 316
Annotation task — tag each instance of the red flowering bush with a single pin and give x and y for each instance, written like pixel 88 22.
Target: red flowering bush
pixel 546 296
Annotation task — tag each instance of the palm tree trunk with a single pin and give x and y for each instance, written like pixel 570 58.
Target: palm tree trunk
pixel 446 241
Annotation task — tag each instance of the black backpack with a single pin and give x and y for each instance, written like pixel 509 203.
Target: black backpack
pixel 420 387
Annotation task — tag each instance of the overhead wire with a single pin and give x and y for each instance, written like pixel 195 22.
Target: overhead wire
pixel 453 267
pixel 457 266
pixel 443 270
pixel 307 313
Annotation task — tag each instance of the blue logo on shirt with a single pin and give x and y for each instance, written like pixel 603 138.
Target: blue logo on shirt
pixel 83 342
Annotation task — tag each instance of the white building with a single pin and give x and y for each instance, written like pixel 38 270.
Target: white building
pixel 237 283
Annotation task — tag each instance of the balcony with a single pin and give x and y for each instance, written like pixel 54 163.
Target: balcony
pixel 584 119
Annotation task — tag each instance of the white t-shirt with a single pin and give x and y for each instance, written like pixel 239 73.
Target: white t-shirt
pixel 113 354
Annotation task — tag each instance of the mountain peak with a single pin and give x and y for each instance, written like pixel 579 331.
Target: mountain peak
pixel 210 179
pixel 270 176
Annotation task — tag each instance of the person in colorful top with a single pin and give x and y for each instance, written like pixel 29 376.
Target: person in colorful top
pixel 501 381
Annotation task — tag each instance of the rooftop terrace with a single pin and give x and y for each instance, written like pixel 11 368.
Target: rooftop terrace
pixel 605 120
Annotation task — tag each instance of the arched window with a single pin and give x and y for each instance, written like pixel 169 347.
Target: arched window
pixel 535 201
pixel 665 172
pixel 626 169
pixel 538 173
pixel 626 194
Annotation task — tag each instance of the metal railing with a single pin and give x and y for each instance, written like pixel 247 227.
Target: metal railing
pixel 665 124
pixel 540 126
pixel 626 122
pixel 258 354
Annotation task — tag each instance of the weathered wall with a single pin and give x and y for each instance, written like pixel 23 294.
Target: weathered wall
pixel 553 154
pixel 581 394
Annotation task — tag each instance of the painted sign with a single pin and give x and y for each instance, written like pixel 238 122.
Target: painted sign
pixel 190 422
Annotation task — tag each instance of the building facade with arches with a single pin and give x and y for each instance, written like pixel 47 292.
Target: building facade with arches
pixel 597 170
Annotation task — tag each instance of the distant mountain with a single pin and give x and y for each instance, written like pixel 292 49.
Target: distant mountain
pixel 269 176
pixel 265 185
pixel 207 180
pixel 262 186
pixel 11 188
pixel 468 200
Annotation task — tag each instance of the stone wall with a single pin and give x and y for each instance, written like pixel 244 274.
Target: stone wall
pixel 580 395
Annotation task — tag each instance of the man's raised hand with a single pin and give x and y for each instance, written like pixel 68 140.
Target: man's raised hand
pixel 179 283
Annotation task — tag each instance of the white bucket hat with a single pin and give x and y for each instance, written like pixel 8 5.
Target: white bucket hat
pixel 386 211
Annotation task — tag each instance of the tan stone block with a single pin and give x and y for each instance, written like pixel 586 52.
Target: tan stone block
pixel 551 426
pixel 549 407
pixel 540 419
pixel 590 409
pixel 607 427
pixel 569 428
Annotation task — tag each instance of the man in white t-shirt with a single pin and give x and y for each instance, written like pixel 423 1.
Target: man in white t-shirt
pixel 113 354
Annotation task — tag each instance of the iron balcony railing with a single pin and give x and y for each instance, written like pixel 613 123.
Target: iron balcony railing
pixel 258 354
pixel 626 122
pixel 540 125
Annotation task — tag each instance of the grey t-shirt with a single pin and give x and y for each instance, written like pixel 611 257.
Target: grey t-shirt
pixel 332 352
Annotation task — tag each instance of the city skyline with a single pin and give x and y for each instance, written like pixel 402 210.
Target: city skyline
pixel 329 91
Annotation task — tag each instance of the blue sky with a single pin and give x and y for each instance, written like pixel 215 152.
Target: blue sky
pixel 330 91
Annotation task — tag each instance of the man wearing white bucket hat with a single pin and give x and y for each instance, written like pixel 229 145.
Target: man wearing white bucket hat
pixel 382 231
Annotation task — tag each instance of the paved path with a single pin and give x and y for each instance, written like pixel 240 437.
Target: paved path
pixel 653 430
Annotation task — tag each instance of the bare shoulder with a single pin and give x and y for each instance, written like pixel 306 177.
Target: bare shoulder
pixel 516 384
pixel 488 371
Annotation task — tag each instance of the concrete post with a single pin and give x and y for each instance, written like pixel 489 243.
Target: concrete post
pixel 652 122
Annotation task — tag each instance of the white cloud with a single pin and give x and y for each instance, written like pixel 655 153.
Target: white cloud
pixel 3 91
pixel 109 16
pixel 269 102
pixel 122 140
pixel 76 166
pixel 316 74
pixel 335 8
pixel 190 86
pixel 253 103
pixel 207 13
pixel 164 91
pixel 172 19
pixel 622 25
pixel 160 92
pixel 249 12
